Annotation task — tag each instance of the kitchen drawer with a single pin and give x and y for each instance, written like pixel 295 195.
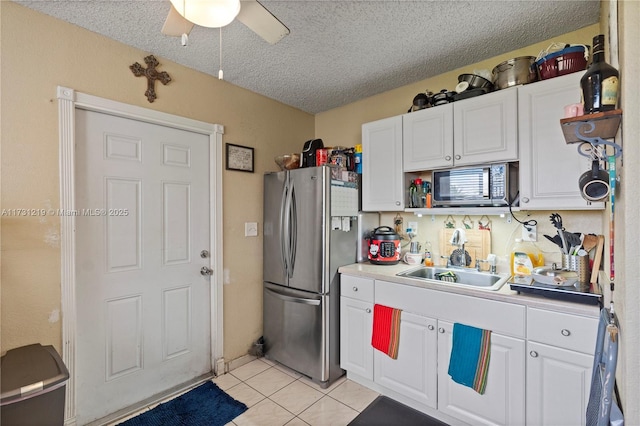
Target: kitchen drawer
pixel 356 288
pixel 573 332
pixel 500 317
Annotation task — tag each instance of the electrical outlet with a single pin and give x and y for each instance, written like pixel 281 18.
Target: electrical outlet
pixel 251 229
pixel 414 227
pixel 529 233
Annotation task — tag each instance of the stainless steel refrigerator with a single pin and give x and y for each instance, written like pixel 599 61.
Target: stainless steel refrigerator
pixel 310 230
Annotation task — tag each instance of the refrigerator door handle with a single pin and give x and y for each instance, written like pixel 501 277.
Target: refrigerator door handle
pixel 284 225
pixel 293 299
pixel 293 229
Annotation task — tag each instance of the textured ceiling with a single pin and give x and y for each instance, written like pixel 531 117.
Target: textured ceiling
pixel 338 51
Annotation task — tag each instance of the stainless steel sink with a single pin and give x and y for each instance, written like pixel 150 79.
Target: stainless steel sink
pixel 457 276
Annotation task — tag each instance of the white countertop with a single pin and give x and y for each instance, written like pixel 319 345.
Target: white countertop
pixel 504 294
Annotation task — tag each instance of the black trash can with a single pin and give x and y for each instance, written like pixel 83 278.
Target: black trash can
pixel 33 386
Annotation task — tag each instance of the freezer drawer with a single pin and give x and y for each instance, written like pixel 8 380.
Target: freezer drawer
pixel 296 330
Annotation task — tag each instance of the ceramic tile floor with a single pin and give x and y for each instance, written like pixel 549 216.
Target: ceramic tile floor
pixel 278 396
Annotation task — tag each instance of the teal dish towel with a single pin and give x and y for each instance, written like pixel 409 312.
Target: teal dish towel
pixel 470 354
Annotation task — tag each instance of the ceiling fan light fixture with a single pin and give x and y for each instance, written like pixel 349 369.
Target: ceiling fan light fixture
pixel 208 13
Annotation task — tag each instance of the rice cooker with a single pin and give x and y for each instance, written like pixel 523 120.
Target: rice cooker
pixel 384 246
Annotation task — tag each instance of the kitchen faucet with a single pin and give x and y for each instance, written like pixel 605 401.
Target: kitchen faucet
pixel 458 238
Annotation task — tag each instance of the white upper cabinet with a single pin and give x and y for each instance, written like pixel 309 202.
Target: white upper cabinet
pixel 485 128
pixel 382 175
pixel 549 167
pixel 477 130
pixel 428 138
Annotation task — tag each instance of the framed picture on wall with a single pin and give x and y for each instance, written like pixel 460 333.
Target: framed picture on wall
pixel 239 158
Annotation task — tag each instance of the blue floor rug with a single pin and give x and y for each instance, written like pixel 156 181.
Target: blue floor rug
pixel 206 405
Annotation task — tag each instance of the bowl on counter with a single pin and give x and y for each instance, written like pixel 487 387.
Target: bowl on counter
pixel 288 161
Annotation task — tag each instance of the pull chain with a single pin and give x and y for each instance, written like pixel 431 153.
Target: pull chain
pixel 220 73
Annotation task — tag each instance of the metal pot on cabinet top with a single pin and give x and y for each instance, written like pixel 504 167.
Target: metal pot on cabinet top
pixel 441 98
pixel 515 71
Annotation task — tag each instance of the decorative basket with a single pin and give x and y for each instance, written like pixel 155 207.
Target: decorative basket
pixel 566 61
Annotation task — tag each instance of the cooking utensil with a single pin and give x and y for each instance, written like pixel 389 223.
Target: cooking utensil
pixel 556 221
pixel 420 101
pixel 469 93
pixel 441 98
pixel 553 276
pixel 514 72
pixel 475 81
pixel 384 246
pixel 590 242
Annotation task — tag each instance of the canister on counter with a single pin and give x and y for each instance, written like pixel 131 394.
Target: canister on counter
pixel 322 156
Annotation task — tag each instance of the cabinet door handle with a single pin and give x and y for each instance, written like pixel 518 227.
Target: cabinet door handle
pixel 368 310
pixel 355 288
pixel 397 203
pixel 441 330
pixel 430 327
pixel 524 199
pixel 447 157
pixel 533 354
pixel 458 157
pixel 565 332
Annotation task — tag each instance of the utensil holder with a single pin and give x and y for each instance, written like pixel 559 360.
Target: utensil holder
pixel 579 264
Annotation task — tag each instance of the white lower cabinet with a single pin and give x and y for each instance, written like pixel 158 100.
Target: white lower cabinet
pixel 414 372
pixel 539 371
pixel 560 351
pixel 356 325
pixel 503 402
pixel 558 383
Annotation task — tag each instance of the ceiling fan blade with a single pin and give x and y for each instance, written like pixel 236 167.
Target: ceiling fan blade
pixel 175 24
pixel 261 21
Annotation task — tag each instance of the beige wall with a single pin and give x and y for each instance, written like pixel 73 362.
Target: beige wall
pixel 40 53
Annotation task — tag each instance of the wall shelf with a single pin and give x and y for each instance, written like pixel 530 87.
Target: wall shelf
pixel 605 126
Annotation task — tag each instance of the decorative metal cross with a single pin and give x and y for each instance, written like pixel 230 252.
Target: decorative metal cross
pixel 152 75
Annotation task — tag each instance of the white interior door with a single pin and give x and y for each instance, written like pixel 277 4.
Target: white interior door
pixel 143 307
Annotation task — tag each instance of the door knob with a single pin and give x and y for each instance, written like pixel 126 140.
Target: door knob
pixel 204 254
pixel 206 271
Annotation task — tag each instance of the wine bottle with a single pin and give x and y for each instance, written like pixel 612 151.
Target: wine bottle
pixel 600 84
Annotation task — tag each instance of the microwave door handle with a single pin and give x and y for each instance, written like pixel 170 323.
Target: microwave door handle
pixel 485 183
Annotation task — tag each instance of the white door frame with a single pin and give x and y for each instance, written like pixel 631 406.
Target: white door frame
pixel 68 101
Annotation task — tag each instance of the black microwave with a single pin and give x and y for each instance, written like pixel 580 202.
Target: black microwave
pixel 476 186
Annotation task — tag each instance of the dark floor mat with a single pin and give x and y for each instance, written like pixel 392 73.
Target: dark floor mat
pixel 384 411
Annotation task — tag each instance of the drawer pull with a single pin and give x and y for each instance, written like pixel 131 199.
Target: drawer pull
pixel 441 330
pixel 355 288
pixel 565 332
pixel 533 354
pixel 368 310
pixel 430 327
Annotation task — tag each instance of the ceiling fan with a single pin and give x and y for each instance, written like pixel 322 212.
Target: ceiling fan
pixel 184 13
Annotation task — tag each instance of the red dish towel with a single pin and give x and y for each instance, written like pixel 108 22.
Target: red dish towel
pixel 386 330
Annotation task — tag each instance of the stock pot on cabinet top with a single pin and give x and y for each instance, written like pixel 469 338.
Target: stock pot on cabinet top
pixel 515 71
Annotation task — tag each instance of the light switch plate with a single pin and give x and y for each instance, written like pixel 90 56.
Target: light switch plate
pixel 251 229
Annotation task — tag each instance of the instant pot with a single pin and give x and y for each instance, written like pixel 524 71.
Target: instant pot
pixel 384 246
